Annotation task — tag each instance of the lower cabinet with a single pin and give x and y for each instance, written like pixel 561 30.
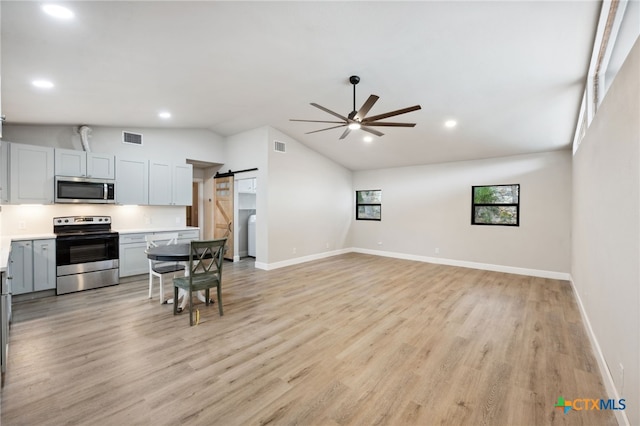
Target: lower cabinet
pixel 133 260
pixel 33 265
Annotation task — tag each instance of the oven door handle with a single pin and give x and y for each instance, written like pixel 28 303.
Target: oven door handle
pixel 87 237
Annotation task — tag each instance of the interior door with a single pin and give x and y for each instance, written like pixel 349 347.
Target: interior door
pixel 223 212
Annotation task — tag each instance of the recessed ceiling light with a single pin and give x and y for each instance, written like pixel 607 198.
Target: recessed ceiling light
pixel 367 139
pixel 57 11
pixel 42 84
pixel 450 123
pixel 164 115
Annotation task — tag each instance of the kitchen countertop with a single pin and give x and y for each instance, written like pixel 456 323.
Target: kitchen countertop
pixel 5 245
pixel 154 230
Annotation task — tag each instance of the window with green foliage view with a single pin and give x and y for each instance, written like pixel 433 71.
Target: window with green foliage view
pixel 495 205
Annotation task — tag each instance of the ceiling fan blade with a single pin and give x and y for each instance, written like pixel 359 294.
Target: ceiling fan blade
pixel 316 121
pixel 335 114
pixel 386 123
pixel 391 114
pixel 373 131
pixel 364 109
pixel 346 132
pixel 328 128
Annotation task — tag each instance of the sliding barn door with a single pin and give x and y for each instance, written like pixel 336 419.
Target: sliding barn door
pixel 223 212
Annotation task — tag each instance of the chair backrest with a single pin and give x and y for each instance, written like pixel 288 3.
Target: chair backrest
pixel 156 240
pixel 206 257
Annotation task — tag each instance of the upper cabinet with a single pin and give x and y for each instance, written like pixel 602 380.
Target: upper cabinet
pixel 247 186
pixel 30 174
pixel 170 184
pixel 27 175
pixel 69 162
pixel 132 181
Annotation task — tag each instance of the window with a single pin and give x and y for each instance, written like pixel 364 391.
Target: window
pixel 368 205
pixel 495 205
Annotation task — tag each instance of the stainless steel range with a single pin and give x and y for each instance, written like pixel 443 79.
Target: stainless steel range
pixel 86 253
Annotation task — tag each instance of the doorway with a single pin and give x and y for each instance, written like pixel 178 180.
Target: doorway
pixel 245 217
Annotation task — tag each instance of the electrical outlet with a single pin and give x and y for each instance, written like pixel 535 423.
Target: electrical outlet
pixel 294 250
pixel 177 220
pixel 147 220
pixel 327 245
pixel 22 225
pixel 379 243
pixel 437 250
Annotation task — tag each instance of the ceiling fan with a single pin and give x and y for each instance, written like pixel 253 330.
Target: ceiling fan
pixel 358 119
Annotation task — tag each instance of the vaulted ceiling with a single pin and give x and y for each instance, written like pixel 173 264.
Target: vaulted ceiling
pixel 510 73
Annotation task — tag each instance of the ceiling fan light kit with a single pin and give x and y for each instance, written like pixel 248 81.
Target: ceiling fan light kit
pixel 358 119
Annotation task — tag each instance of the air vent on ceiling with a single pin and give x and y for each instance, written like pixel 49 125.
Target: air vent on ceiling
pixel 132 138
pixel 279 146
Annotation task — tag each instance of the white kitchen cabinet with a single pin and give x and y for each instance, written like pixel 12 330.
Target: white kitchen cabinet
pixel 133 260
pixel 101 166
pixel 170 184
pixel 69 162
pixel 33 265
pixel 246 186
pixel 182 184
pixel 188 235
pixel 132 181
pixel 22 267
pixel 31 171
pixel 4 172
pixel 44 264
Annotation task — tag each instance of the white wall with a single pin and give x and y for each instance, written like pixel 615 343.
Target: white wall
pixel 425 208
pixel 158 143
pixel 248 150
pixel 310 202
pixel 606 230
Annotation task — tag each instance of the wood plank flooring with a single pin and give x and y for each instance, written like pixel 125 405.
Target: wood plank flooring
pixel 348 340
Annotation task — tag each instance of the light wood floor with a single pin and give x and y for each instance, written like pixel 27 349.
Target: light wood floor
pixel 352 339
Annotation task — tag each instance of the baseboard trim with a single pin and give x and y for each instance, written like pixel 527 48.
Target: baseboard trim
pixel 607 378
pixel 302 259
pixel 438 260
pixel 466 264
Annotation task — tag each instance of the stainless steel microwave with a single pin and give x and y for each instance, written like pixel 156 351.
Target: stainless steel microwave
pixel 85 190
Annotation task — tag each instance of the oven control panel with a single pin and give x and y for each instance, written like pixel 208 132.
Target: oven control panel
pixel 81 220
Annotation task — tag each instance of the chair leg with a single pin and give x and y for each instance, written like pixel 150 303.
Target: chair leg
pixel 219 291
pixel 175 300
pixel 161 289
pixel 206 297
pixel 150 284
pixel 190 308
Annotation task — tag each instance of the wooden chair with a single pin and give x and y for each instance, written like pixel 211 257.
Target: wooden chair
pixel 205 272
pixel 159 268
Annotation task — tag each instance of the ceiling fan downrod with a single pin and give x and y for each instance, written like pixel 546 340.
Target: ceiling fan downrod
pixel 354 79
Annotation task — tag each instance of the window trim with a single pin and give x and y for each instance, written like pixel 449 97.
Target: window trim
pixel 474 205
